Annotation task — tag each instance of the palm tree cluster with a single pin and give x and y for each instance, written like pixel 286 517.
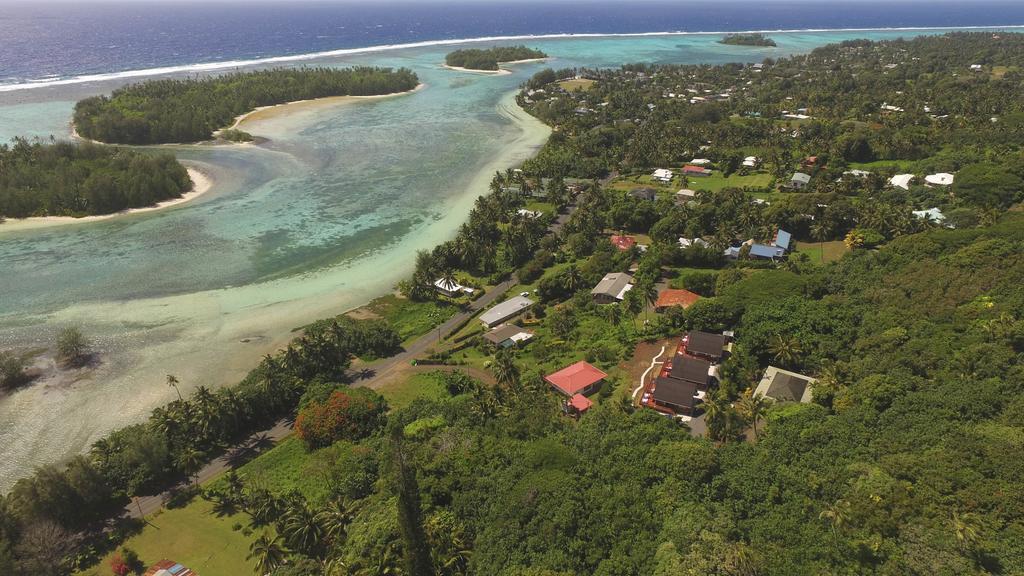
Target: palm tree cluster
pixel 727 421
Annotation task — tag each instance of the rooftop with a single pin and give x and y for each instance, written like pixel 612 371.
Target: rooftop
pixel 614 284
pixel 507 332
pixel 706 344
pixel 575 378
pixel 506 310
pixel 580 402
pixel 675 392
pixel 671 297
pixel 169 568
pixel 785 386
pixel 691 369
pixel 623 242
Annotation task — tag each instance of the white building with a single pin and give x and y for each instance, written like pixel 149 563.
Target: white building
pixel 663 175
pixel 940 179
pixel 901 181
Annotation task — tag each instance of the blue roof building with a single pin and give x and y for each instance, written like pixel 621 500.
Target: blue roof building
pixel 782 239
pixel 763 251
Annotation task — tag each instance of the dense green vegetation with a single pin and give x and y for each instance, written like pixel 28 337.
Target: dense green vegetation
pixel 168 111
pixel 489 58
pixel 753 39
pixel 65 179
pixel 906 461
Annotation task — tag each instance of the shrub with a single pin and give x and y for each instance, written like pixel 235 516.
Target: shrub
pixel 72 346
pixel 346 415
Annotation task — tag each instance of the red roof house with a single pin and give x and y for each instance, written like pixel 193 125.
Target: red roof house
pixel 623 242
pixel 669 298
pixel 169 568
pixel 580 378
pixel 580 403
pixel 691 170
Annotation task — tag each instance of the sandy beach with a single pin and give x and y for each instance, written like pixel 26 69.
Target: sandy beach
pixel 267 112
pixel 201 184
pixel 499 72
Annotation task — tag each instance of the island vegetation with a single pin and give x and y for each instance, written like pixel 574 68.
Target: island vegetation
pixel 191 110
pixel 490 58
pixel 72 179
pixel 903 461
pixel 750 39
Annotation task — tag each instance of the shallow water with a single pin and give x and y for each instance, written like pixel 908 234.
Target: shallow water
pixel 324 217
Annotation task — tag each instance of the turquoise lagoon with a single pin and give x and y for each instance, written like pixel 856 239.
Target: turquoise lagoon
pixel 324 216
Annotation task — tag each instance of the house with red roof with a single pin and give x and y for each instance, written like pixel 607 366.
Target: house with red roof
pixel 169 568
pixel 623 242
pixel 671 297
pixel 579 379
pixel 579 404
pixel 691 170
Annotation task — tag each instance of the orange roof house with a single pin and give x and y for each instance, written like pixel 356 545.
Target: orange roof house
pixel 580 403
pixel 670 297
pixel 623 242
pixel 169 568
pixel 579 378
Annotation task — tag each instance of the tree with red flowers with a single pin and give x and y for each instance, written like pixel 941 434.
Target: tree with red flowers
pixel 348 414
pixel 119 566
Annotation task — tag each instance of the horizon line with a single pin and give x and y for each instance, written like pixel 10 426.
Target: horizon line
pixel 228 64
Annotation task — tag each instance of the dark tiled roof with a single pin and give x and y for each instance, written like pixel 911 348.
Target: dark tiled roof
pixel 675 392
pixel 689 369
pixel 787 388
pixel 706 344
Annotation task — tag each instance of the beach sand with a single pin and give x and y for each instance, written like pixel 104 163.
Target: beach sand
pixel 201 184
pixel 499 72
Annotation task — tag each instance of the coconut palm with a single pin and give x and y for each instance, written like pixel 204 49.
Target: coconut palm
pixel 967 530
pixel 752 407
pixel 836 514
pixel 505 370
pixel 649 293
pixel 573 278
pixel 189 461
pixel 302 528
pixel 785 350
pixel 268 554
pixel 172 381
pixel 714 417
pixel 820 230
pixel 335 518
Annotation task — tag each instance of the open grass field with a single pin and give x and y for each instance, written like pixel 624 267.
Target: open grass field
pixel 576 84
pixel 285 467
pixel 822 253
pixel 717 182
pixel 193 536
pixel 403 392
pixel 410 319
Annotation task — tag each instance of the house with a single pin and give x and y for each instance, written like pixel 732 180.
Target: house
pixel 649 194
pixel 857 173
pixel 532 214
pixel 751 161
pixel 169 568
pixel 799 181
pixel 785 386
pixel 940 179
pixel 507 336
pixel 782 239
pixel 671 297
pixel 623 242
pixel 690 170
pixel 933 214
pixel 766 252
pixel 578 379
pixel 685 195
pixel 700 162
pixel 696 371
pixel 705 345
pixel 685 243
pixel 505 311
pixel 676 395
pixel 579 404
pixel 450 288
pixel 612 288
pixel 663 175
pixel 976 67
pixel 809 162
pixel 901 181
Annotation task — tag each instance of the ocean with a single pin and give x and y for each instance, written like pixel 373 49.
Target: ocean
pixel 329 212
pixel 43 41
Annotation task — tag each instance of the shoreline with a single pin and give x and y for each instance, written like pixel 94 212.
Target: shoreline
pixel 263 112
pixel 228 64
pixel 499 72
pixel 201 184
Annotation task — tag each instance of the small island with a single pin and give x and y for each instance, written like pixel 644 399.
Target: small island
pixel 83 179
pixel 489 59
pixel 192 110
pixel 754 39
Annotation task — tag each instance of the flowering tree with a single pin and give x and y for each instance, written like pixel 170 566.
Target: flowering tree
pixel 345 415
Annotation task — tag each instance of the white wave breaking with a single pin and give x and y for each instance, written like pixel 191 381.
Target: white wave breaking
pixel 228 64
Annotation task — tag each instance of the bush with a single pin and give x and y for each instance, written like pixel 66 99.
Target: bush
pixel 346 415
pixel 12 371
pixel 72 347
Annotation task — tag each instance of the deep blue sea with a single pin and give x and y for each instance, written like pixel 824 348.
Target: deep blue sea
pixel 51 39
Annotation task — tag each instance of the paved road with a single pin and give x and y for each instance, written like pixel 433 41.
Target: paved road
pixel 381 370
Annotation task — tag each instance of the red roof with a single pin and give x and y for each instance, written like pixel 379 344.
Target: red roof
pixel 580 402
pixel 623 242
pixel 689 168
pixel 574 378
pixel 670 297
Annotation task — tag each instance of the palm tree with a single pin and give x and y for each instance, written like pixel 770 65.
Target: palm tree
pixel 820 231
pixel 836 515
pixel 967 529
pixel 268 553
pixel 752 407
pixel 335 518
pixel 573 278
pixel 190 461
pixel 714 417
pixel 633 304
pixel 448 278
pixel 785 349
pixel 505 370
pixel 302 528
pixel 172 381
pixel 649 292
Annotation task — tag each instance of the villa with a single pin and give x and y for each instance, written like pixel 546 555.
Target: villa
pixel 706 345
pixel 505 311
pixel 612 288
pixel 576 382
pixel 676 395
pixel 784 386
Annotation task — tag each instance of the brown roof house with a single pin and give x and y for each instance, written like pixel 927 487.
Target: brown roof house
pixel 785 386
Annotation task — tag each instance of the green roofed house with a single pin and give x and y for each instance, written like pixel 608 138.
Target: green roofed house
pixel 785 386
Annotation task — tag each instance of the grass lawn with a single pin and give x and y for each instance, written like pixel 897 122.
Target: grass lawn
pixel 631 182
pixel 538 206
pixel 716 182
pixel 411 319
pixel 821 253
pixel 286 467
pixel 576 84
pixel 403 392
pixel 194 536
pixel 882 165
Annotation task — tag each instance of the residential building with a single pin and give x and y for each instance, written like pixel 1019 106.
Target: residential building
pixel 685 195
pixel 579 378
pixel 505 311
pixel 690 170
pixel 782 239
pixel 450 288
pixel 671 297
pixel 751 161
pixel 940 179
pixel 700 162
pixel 663 175
pixel 623 242
pixel 901 181
pixel 532 214
pixel 649 194
pixel 696 371
pixel 508 335
pixel 766 252
pixel 799 181
pixel 706 345
pixel 685 243
pixel 612 288
pixel 933 214
pixel 169 568
pixel 676 395
pixel 785 386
